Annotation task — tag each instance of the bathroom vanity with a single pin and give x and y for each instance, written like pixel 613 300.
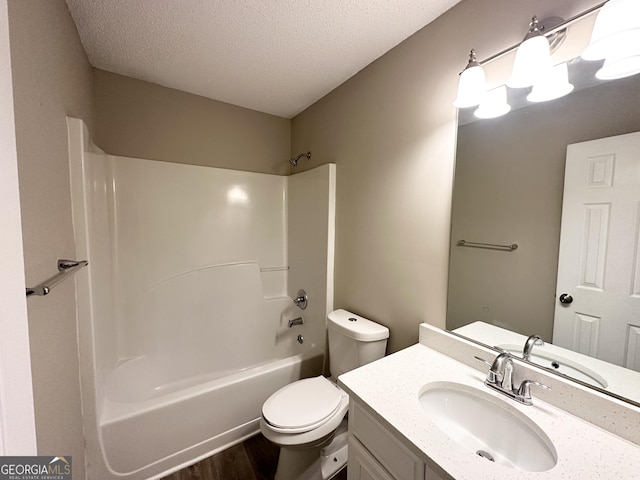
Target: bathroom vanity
pixel 419 414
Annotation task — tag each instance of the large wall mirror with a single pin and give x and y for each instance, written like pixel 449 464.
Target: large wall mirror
pixel 509 189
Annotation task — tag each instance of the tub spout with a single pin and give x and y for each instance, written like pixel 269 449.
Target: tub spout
pixel 296 321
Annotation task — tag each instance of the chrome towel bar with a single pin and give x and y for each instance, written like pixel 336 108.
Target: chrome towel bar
pixel 492 246
pixel 66 269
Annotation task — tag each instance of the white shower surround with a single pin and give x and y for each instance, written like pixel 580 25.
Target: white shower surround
pixel 182 313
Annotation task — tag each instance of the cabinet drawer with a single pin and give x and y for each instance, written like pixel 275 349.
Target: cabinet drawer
pixel 386 449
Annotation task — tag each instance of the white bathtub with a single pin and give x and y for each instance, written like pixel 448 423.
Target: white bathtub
pixel 180 423
pixel 214 350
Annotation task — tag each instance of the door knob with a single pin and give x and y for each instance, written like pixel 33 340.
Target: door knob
pixel 566 298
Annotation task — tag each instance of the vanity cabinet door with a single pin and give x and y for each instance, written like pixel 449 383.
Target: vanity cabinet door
pixel 396 460
pixel 430 474
pixel 362 466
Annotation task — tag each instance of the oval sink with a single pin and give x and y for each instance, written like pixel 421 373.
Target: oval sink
pixel 487 426
pixel 559 364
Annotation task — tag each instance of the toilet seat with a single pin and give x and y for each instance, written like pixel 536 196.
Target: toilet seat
pixel 303 405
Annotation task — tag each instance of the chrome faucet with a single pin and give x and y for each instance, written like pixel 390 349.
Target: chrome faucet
pixel 529 344
pixel 500 379
pixel 296 321
pixel 500 375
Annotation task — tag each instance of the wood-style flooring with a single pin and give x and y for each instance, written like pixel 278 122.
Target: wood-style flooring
pixel 254 459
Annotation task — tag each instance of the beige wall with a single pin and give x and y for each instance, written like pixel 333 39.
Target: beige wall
pixel 509 185
pixel 51 78
pixel 391 131
pixel 140 119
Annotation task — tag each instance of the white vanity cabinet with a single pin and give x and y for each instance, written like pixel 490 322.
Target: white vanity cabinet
pixel 376 454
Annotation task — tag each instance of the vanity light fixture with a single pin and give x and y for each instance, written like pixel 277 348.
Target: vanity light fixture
pixel 554 84
pixel 494 104
pixel 533 58
pixel 472 84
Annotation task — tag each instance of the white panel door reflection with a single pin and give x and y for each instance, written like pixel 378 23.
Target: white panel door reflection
pixel 598 290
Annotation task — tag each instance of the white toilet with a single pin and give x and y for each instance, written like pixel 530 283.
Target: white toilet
pixel 307 418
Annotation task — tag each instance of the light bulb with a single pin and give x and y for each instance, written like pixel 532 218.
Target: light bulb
pixel 614 69
pixel 554 84
pixel 494 104
pixel 623 63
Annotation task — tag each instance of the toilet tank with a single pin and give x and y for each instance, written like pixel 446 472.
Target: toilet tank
pixel 354 341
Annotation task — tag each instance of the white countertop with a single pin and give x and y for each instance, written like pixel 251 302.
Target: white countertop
pixel 390 389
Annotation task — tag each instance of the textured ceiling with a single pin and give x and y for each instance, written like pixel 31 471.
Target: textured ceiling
pixel 274 56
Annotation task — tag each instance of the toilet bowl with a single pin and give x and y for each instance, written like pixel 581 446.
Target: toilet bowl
pixel 302 418
pixel 307 418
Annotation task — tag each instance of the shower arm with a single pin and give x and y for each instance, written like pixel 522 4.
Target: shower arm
pixel 294 160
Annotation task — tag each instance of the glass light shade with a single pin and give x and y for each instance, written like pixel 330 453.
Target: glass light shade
pixel 532 60
pixel 554 84
pixel 471 87
pixel 617 29
pixel 614 69
pixel 494 104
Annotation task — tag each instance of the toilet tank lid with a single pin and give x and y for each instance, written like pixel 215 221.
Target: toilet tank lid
pixel 356 327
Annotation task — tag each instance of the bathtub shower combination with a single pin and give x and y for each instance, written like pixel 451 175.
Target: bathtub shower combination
pixel 183 313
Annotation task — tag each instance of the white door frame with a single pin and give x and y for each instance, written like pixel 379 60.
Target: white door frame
pixel 17 420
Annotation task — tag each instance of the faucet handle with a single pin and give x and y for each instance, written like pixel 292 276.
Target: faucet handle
pixel 301 300
pixel 482 360
pixel 524 392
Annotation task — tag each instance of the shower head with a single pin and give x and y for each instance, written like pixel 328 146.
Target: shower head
pixel 294 160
